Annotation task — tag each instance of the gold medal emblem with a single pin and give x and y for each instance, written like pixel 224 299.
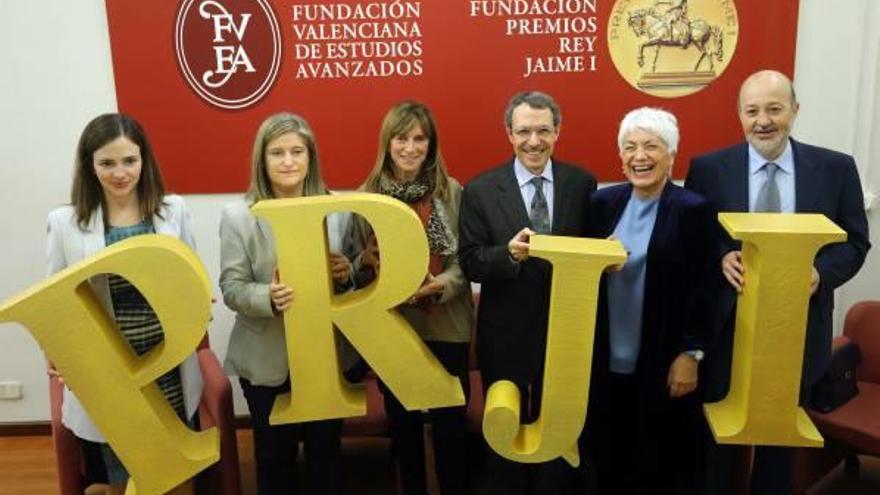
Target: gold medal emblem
pixel 672 48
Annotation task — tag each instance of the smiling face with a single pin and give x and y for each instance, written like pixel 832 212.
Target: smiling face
pixel 118 166
pixel 646 162
pixel 767 111
pixel 533 136
pixel 287 165
pixel 408 151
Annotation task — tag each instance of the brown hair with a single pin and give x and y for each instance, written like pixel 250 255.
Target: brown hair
pixel 536 100
pixel 399 119
pixel 86 193
pixel 274 126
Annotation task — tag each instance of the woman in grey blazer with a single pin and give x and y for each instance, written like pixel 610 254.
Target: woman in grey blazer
pixel 284 164
pixel 410 167
pixel 118 193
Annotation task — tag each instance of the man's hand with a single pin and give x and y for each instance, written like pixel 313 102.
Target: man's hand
pixel 682 378
pixel 731 266
pixel 518 247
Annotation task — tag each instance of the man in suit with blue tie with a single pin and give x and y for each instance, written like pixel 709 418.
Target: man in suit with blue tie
pixel 500 210
pixel 773 173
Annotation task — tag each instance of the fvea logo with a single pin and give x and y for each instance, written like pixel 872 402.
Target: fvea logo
pixel 228 51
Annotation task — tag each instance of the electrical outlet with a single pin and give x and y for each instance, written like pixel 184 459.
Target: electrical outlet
pixel 10 390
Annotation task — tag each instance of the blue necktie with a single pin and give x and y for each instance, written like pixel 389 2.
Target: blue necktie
pixel 768 197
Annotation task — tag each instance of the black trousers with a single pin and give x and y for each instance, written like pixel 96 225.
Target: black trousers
pixel 641 441
pixel 276 447
pixel 723 464
pixel 507 477
pixel 448 431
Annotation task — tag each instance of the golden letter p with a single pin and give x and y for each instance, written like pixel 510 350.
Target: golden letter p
pixel 116 387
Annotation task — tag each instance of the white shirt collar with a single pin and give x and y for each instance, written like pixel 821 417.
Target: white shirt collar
pixel 785 161
pixel 523 176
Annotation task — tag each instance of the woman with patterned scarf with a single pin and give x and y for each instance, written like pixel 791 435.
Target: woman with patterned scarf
pixel 409 167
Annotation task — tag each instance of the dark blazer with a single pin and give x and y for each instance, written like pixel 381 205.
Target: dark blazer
pixel 674 316
pixel 826 182
pixel 514 297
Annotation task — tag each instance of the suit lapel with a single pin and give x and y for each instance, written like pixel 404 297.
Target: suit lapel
pixel 93 237
pixel 266 237
pixel 560 192
pixel 806 180
pixel 617 204
pixel 663 208
pixel 735 179
pixel 162 224
pixel 510 200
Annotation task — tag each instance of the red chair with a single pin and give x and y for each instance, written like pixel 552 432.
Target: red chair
pixel 215 409
pixel 476 402
pixel 853 428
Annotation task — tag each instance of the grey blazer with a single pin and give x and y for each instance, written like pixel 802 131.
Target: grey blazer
pixel 257 347
pixel 68 244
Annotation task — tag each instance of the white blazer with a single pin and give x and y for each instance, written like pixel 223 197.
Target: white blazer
pixel 68 244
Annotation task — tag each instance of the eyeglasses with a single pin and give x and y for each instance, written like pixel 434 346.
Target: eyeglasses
pixel 542 132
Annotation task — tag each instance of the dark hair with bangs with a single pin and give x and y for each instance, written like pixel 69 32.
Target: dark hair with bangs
pixel 86 194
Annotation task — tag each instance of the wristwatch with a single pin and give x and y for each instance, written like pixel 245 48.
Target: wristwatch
pixel 696 354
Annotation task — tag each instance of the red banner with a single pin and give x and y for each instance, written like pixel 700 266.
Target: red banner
pixel 202 74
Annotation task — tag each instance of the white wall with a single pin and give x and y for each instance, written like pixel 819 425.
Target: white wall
pixel 55 75
pixel 837 73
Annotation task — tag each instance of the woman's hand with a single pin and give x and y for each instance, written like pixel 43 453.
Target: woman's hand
pixel 814 281
pixel 682 378
pixel 280 295
pixel 614 268
pixel 340 268
pixel 370 256
pixel 52 372
pixel 430 287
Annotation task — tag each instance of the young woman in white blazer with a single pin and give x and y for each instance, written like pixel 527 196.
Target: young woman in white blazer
pixel 117 193
pixel 284 164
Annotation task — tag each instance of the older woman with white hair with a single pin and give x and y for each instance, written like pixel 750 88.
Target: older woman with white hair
pixel 650 329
